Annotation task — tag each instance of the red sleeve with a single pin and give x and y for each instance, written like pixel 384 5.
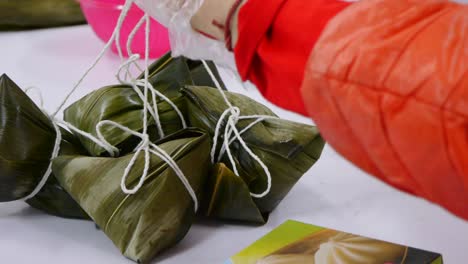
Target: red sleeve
pixel 275 40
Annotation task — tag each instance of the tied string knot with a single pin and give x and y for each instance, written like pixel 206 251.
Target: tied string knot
pixel 233 114
pixel 136 85
pixel 231 134
pixel 148 148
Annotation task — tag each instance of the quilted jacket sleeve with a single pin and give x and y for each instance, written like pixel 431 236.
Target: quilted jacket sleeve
pixel 275 41
pixel 387 84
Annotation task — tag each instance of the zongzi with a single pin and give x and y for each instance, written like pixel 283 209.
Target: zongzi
pixel 160 213
pixel 288 150
pixel 27 139
pixel 121 104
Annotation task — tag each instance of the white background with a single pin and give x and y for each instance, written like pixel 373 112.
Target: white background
pixel 333 193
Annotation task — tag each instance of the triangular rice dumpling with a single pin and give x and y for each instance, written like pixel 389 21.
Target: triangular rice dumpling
pixel 120 104
pixel 27 139
pixel 160 213
pixel 288 149
pixel 26 142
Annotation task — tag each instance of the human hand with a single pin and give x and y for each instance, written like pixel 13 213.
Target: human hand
pixel 212 19
pixel 176 16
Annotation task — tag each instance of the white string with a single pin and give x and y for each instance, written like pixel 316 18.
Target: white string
pixel 216 135
pixel 144 83
pixel 154 111
pixel 130 40
pixel 259 118
pixel 115 36
pixel 145 145
pixel 233 115
pixel 154 149
pixel 48 172
pixel 145 139
pixel 58 139
pixel 125 66
pixel 38 92
pixel 169 101
pixel 217 84
pixel 56 150
pixel 113 151
pixel 155 93
pixel 118 27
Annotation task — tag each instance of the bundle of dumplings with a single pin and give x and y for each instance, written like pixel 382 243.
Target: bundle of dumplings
pixel 86 182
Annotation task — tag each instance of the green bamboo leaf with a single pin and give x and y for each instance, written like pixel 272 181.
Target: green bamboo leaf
pixel 160 213
pixel 26 142
pixel 54 200
pixel 157 65
pixel 228 197
pixel 168 75
pixel 179 72
pixel 27 138
pixel 288 149
pixel 31 14
pixel 201 77
pixel 120 104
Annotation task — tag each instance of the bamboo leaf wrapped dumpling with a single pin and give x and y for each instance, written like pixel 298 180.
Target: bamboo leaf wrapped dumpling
pixel 160 213
pixel 124 105
pixel 26 142
pixel 287 148
pixel 27 138
pixel 121 104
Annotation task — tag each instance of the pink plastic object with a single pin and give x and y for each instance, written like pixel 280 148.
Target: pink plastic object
pixel 102 15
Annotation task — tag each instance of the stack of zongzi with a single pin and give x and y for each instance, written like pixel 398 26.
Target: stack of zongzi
pixel 87 182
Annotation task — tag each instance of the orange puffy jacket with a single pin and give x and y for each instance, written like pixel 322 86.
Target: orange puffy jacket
pixel 387 84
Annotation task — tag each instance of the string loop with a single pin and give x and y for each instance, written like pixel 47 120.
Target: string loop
pixel 231 134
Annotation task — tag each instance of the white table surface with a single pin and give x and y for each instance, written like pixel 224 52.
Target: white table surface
pixel 333 193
